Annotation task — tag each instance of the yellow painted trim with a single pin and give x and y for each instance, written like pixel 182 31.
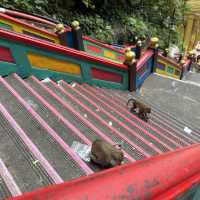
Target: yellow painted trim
pixel 44 62
pixel 109 54
pixel 166 73
pixel 162 62
pixel 19 29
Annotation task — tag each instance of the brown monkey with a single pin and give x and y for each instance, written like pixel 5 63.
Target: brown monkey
pixel 105 154
pixel 143 110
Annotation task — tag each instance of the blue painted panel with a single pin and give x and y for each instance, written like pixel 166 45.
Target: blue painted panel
pixel 70 39
pixel 161 66
pixel 141 77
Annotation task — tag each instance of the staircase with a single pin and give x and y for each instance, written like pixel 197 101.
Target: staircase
pixel 180 98
pixel 40 120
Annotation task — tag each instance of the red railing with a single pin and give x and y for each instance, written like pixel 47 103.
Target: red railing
pixel 165 176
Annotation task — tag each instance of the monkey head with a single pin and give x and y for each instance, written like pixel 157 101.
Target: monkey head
pixel 117 158
pixel 147 110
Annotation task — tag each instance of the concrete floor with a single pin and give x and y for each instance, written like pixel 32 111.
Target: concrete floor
pixel 180 98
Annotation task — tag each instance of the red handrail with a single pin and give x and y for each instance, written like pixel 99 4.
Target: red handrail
pixel 147 55
pixel 147 179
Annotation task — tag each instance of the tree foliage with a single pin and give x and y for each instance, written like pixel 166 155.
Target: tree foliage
pixel 113 20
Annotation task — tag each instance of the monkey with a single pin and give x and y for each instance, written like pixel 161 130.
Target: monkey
pixel 106 155
pixel 143 110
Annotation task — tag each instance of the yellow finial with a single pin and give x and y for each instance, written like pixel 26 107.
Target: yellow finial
pixel 154 42
pixel 60 28
pixel 75 25
pixel 139 43
pixel 129 55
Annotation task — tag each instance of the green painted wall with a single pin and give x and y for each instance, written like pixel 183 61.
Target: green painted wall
pixel 5 26
pixel 24 69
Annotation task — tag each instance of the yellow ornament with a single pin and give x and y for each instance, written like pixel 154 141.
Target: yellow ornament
pixel 129 55
pixel 154 42
pixel 139 43
pixel 75 25
pixel 60 28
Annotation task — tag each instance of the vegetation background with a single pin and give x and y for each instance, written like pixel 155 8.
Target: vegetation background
pixel 113 21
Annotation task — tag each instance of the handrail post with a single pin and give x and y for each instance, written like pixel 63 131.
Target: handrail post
pixel 138 49
pixel 61 33
pixel 154 44
pixel 78 36
pixel 131 62
pixel 182 64
pixel 192 59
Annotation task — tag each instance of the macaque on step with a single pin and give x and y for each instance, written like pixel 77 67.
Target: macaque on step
pixel 142 109
pixel 106 155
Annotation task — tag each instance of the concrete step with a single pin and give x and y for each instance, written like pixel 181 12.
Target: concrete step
pixel 162 122
pixel 42 119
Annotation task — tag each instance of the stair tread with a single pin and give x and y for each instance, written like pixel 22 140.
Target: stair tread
pixel 82 113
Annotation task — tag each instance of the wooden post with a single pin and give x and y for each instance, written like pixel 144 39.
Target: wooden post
pixel 192 58
pixel 165 53
pixel 138 49
pixel 78 39
pixel 62 35
pixel 182 63
pixel 130 61
pixel 154 44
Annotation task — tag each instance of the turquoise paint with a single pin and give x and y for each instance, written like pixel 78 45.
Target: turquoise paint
pixel 108 84
pixel 197 194
pixel 24 69
pixel 192 194
pixel 19 52
pixel 7 68
pixel 86 72
pixel 42 74
pixel 5 26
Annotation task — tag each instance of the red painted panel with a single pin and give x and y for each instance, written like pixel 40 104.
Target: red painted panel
pixel 99 43
pixel 6 55
pixel 94 49
pixel 120 58
pixel 107 76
